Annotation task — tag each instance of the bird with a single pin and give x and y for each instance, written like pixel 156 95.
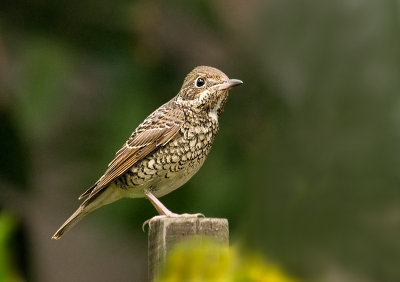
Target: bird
pixel 165 150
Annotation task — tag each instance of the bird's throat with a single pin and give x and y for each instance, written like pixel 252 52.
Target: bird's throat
pixel 216 108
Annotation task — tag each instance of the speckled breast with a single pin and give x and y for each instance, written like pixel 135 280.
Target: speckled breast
pixel 172 165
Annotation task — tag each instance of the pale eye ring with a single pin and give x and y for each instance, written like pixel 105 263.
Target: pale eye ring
pixel 200 82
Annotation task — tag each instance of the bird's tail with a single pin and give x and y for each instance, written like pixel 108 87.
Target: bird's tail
pixel 74 219
pixel 92 203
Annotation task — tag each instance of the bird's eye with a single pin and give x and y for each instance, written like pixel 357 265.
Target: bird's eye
pixel 200 82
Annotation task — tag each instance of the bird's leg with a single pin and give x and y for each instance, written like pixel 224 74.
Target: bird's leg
pixel 162 210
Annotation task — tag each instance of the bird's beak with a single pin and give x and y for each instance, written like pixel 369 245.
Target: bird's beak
pixel 229 84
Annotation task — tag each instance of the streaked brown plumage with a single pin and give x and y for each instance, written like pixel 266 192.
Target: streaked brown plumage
pixel 166 149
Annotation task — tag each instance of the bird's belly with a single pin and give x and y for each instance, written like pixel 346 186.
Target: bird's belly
pixel 162 182
pixel 176 181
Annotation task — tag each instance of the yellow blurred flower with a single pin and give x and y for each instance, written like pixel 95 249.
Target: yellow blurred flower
pixel 204 260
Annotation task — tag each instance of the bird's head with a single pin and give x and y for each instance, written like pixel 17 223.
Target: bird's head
pixel 206 89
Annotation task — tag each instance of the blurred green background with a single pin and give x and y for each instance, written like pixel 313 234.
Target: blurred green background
pixel 306 164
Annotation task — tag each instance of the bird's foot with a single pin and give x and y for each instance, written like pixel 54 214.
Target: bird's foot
pixel 157 217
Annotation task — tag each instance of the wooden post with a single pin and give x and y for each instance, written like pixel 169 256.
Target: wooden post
pixel 165 232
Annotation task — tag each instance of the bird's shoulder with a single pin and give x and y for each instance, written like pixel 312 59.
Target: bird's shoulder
pixel 166 116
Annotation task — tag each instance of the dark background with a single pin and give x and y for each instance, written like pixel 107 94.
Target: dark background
pixel 306 164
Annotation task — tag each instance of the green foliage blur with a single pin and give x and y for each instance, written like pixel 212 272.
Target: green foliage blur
pixel 9 271
pixel 305 166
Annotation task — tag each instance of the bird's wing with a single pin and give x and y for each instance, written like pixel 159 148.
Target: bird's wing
pixel 144 140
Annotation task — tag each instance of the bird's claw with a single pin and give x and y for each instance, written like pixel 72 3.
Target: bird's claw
pixel 157 217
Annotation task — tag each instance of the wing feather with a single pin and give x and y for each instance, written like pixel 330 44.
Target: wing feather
pixel 144 140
